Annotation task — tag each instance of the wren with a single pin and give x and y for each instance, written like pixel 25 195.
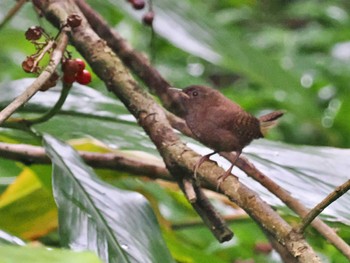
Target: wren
pixel 219 123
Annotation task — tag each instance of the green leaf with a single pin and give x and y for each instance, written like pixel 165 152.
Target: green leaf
pixel 86 113
pixel 309 173
pixel 118 225
pixel 12 254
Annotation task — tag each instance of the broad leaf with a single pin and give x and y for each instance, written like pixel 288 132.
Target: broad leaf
pixel 84 110
pixel 44 255
pixel 27 208
pixel 309 173
pixel 118 225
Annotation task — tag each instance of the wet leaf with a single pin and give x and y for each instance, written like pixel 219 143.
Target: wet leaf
pixel 118 225
pixel 44 255
pixel 309 173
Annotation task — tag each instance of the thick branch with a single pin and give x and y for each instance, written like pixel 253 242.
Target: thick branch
pixel 177 157
pixel 149 114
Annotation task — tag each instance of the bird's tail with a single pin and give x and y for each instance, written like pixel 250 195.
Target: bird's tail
pixel 269 120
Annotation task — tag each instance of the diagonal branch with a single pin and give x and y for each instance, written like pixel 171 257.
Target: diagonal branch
pixel 177 157
pixel 149 114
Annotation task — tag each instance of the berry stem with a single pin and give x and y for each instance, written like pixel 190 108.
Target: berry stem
pixel 47 48
pixel 55 109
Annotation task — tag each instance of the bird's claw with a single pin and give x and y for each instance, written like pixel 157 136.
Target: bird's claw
pixel 222 178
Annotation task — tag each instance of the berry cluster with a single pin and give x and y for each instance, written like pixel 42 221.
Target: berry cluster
pixel 33 34
pixel 140 4
pixel 74 70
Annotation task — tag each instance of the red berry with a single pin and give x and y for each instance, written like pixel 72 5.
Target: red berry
pixel 70 67
pixel 84 77
pixel 67 78
pixel 81 64
pixel 28 65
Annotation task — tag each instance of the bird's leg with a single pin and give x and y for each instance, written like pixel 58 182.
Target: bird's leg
pixel 222 177
pixel 201 160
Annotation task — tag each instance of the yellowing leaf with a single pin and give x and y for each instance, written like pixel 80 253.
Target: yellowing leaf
pixel 27 208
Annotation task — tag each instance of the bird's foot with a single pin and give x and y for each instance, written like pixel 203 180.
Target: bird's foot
pixel 222 178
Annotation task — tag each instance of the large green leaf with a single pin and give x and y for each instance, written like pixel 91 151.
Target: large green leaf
pixel 86 113
pixel 118 225
pixel 12 254
pixel 309 173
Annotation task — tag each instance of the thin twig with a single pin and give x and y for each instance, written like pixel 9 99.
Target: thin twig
pixel 42 53
pixel 338 192
pixel 39 82
pixel 12 12
pixel 189 190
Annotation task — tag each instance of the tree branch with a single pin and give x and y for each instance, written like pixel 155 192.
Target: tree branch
pixel 148 113
pixel 29 154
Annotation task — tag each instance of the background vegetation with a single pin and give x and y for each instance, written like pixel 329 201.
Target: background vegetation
pixel 291 55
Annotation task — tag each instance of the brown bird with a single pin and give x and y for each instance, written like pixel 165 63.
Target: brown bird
pixel 219 123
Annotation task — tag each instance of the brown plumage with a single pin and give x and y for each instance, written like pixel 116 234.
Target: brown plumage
pixel 219 123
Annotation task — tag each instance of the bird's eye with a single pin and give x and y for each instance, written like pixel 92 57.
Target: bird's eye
pixel 195 93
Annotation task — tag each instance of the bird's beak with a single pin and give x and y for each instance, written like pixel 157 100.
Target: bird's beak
pixel 179 92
